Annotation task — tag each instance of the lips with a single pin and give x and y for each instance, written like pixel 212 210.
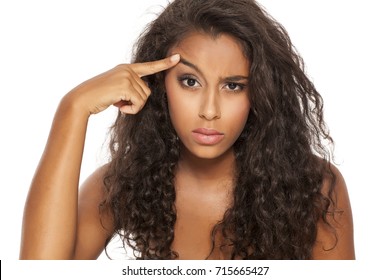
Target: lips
pixel 207 136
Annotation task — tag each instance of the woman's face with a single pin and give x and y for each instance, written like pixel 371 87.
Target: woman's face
pixel 208 94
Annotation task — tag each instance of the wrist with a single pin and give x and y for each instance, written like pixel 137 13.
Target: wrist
pixel 71 104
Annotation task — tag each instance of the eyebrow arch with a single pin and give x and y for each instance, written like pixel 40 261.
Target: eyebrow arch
pixel 189 64
pixel 196 68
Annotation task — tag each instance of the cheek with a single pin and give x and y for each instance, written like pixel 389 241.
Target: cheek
pixel 177 106
pixel 238 112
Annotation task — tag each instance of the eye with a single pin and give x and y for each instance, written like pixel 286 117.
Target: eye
pixel 235 87
pixel 188 81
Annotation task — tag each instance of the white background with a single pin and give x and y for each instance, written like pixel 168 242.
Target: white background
pixel 49 47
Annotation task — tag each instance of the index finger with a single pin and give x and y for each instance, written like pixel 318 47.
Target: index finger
pixel 149 68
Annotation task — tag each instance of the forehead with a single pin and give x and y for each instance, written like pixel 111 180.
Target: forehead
pixel 222 53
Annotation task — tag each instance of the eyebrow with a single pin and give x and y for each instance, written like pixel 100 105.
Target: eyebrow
pixel 189 64
pixel 235 78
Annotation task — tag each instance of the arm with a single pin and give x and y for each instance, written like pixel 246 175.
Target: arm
pixel 93 227
pixel 56 225
pixel 49 224
pixel 326 246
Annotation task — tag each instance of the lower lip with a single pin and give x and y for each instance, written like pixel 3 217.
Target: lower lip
pixel 204 139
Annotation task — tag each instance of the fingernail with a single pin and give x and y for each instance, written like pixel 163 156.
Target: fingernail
pixel 175 58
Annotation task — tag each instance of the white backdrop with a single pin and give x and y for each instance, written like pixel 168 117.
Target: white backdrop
pixel 49 47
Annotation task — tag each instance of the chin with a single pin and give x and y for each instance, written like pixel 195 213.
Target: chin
pixel 208 152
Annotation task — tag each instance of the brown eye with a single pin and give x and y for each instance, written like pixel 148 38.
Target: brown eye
pixel 191 82
pixel 232 86
pixel 188 82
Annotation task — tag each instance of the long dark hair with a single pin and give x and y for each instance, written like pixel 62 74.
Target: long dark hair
pixel 281 158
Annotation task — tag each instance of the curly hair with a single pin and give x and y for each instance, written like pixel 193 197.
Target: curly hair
pixel 282 158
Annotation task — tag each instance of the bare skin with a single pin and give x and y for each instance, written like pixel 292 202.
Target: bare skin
pixel 342 222
pixel 60 223
pixel 212 95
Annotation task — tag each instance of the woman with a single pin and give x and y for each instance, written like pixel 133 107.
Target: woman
pixel 216 152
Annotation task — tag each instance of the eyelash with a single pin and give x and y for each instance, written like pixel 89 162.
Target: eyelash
pixel 184 78
pixel 241 87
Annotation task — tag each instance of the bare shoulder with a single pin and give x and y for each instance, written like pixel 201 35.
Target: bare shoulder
pixel 335 241
pixel 93 227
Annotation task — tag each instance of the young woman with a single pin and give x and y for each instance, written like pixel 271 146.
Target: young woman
pixel 217 151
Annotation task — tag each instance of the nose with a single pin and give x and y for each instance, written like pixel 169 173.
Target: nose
pixel 210 107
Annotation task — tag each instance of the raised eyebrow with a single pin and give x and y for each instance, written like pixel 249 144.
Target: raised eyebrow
pixel 189 64
pixel 235 78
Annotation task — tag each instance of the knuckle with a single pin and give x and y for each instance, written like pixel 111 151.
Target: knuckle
pixel 125 84
pixel 147 91
pixel 123 67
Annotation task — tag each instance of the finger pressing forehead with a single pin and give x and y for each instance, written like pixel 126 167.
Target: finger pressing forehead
pixel 152 67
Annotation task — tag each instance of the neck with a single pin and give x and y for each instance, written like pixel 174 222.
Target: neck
pixel 208 170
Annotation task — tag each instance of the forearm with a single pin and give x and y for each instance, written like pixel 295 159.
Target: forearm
pixel 50 218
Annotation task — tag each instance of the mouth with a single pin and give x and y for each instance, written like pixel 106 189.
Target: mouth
pixel 207 136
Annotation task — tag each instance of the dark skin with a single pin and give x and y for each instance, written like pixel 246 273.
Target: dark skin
pixel 214 97
pixel 201 201
pixel 195 220
pixel 60 223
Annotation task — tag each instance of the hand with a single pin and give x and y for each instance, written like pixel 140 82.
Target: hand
pixel 121 86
